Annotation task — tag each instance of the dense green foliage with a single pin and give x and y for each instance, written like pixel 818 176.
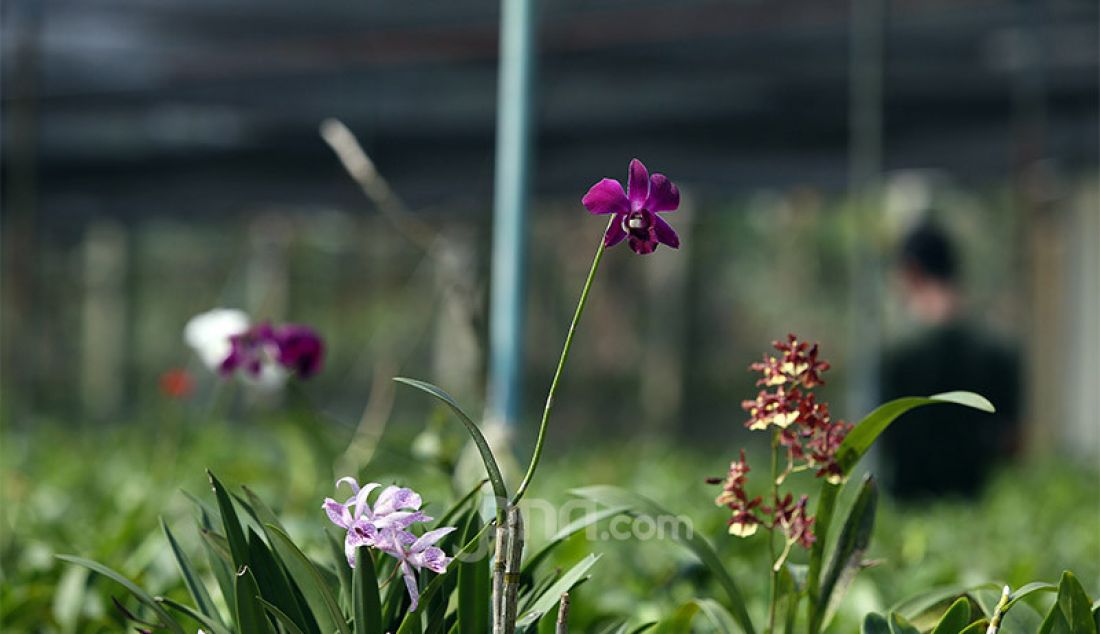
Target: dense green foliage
pixel 60 497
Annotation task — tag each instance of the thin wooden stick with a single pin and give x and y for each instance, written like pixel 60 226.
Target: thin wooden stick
pixel 562 626
pixel 512 570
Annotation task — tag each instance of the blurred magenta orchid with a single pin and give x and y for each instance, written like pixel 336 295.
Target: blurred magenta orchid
pixel 636 209
pixel 264 354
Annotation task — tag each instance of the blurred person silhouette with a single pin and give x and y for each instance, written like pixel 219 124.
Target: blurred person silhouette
pixel 947 449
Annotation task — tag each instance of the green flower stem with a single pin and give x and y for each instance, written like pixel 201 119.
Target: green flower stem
pixel 774 572
pixel 557 373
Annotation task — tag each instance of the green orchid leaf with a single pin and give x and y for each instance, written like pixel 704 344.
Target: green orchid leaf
pixel 281 618
pixel 549 600
pixel 191 578
pixel 133 588
pixel 977 627
pixel 234 534
pixel 874 624
pixel 955 619
pixel 1075 605
pixel 366 604
pixel 491 468
pixel 719 617
pixel 566 532
pixel 251 617
pixel 210 625
pixel 863 435
pixel 855 537
pixel 639 505
pixel 474 586
pixel 314 587
pixel 900 625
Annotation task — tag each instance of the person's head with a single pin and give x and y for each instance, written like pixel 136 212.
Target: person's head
pixel 929 273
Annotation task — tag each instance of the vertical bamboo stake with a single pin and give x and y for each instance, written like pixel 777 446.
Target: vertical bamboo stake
pixel 562 626
pixel 512 569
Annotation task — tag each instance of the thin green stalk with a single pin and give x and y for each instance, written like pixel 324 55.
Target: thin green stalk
pixel 774 591
pixel 557 373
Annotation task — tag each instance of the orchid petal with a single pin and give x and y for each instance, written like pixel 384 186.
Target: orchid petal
pixel 411 585
pixel 429 538
pixel 433 559
pixel 337 513
pixel 362 506
pixel 663 195
pixel 606 197
pixel 393 498
pixel 615 232
pixel 665 233
pixel 637 185
pixel 350 481
pixel 642 246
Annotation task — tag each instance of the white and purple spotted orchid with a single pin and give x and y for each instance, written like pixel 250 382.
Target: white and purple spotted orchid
pixel 421 553
pixel 264 354
pixel 636 209
pixel 384 527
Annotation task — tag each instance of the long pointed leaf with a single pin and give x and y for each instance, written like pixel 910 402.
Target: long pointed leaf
pixel 203 603
pixel 219 563
pixel 251 618
pixel 566 532
pixel 826 502
pixel 855 537
pixel 1075 605
pixel 139 594
pixel 366 606
pixel 859 440
pixel 234 534
pixel 719 617
pixel 491 468
pixel 680 621
pixel 273 582
pixel 548 601
pixel 473 587
pixel 615 496
pixel 211 626
pixel 313 586
pixel 281 618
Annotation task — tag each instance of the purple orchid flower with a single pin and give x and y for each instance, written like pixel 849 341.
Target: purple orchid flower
pixel 300 349
pixel 421 553
pixel 266 354
pixel 636 209
pixel 395 510
pixel 251 351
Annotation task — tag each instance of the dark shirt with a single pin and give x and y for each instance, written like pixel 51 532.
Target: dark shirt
pixel 948 449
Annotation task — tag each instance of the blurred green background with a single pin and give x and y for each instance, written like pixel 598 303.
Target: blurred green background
pixel 161 159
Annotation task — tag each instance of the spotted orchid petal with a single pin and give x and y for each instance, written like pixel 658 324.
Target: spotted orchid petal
pixel 393 498
pixel 337 513
pixel 362 506
pixel 429 538
pixel 411 585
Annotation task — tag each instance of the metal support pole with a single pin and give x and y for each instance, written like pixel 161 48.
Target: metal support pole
pixel 513 167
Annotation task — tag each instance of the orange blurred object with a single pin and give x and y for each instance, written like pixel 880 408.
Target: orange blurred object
pixel 177 383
